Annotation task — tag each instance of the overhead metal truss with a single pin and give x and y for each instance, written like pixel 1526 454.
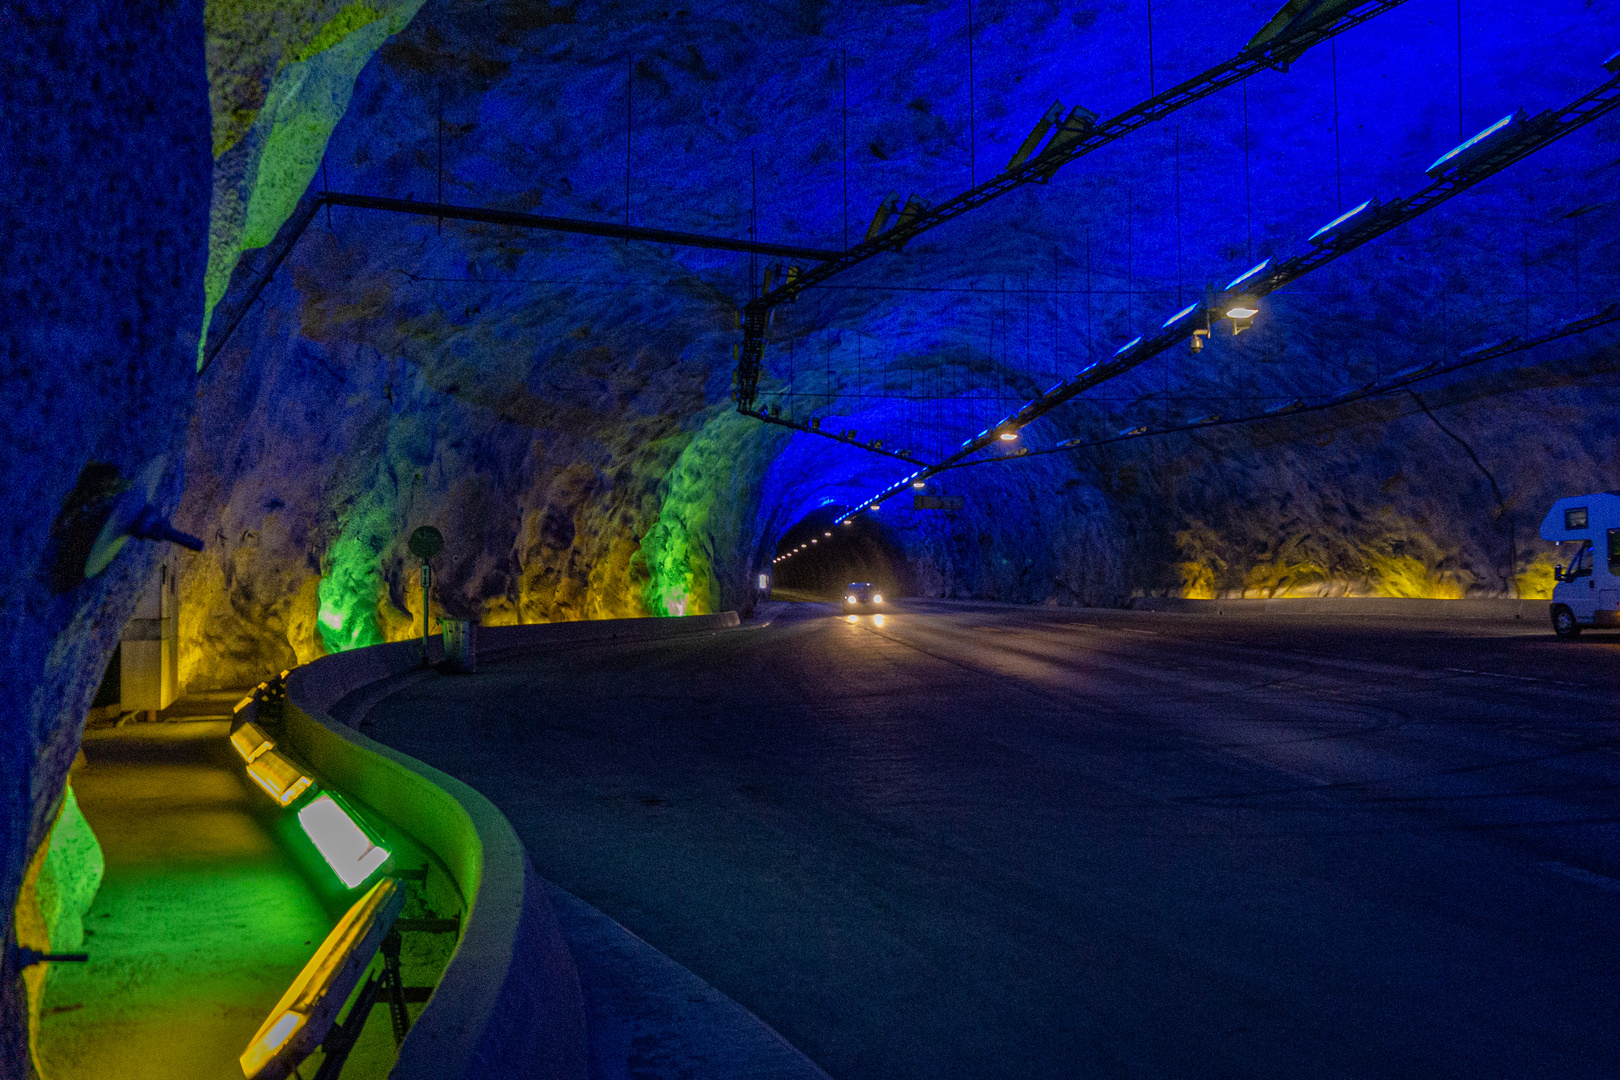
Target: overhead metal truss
pixel 1400 380
pixel 1315 24
pixel 295 226
pixel 1532 135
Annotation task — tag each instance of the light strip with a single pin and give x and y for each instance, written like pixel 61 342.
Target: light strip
pixel 1247 274
pixel 1182 314
pixel 1449 155
pixel 1340 220
pixel 1128 346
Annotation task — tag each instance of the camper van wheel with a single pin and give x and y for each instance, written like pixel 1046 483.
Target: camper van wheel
pixel 1564 624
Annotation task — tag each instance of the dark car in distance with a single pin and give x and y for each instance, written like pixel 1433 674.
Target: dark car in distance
pixel 862 596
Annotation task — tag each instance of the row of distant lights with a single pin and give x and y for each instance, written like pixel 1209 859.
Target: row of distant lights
pixel 1243 309
pixel 801 547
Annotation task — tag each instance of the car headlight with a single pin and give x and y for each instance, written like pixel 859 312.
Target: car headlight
pixel 877 599
pixel 851 599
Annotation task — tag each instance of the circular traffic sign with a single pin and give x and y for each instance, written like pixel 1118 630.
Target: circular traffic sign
pixel 426 542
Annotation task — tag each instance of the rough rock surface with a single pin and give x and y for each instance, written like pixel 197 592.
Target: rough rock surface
pixel 104 139
pixel 558 405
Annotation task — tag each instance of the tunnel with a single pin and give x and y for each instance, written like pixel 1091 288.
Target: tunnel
pixel 442 438
pixel 819 556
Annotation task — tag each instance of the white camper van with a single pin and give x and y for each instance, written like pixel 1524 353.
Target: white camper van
pixel 1588 589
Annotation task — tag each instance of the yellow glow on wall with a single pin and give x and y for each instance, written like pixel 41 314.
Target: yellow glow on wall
pixel 300 1019
pixel 250 742
pixel 347 848
pixel 281 779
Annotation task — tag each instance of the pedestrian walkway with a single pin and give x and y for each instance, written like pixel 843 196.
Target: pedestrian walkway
pixel 202 919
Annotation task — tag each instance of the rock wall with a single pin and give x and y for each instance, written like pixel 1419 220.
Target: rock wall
pixel 558 405
pixel 104 156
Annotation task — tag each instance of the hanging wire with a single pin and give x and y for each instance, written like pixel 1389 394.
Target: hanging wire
pixel 1338 167
pixel 1248 194
pixel 1151 91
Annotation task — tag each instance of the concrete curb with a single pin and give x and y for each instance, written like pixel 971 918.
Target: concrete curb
pixel 495 642
pixel 509 1002
pixel 1502 610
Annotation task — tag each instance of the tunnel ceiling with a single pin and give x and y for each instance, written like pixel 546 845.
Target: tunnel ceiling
pixel 560 405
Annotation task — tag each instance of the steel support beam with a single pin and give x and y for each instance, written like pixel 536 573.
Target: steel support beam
pixel 1537 132
pixel 1580 324
pixel 516 219
pixel 571 225
pixel 1278 52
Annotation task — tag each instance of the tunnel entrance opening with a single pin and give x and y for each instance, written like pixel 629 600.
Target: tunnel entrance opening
pixel 817 558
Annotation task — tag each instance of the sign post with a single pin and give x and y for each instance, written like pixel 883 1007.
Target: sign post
pixel 425 543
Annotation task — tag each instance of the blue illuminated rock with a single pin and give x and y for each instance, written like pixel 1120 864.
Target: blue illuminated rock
pixel 558 405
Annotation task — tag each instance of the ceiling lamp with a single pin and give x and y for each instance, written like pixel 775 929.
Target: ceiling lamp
pixel 918 485
pixel 1242 313
pixel 1128 346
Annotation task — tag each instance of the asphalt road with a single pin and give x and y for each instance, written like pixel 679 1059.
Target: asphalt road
pixel 983 841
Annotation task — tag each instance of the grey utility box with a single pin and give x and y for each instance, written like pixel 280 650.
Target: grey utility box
pixel 460 644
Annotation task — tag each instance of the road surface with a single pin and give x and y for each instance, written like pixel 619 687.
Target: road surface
pixel 987 841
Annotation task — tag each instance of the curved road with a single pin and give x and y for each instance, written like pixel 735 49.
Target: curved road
pixel 985 841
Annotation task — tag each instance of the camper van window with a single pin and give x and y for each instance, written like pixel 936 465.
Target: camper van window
pixel 1575 519
pixel 1614 551
pixel 1581 564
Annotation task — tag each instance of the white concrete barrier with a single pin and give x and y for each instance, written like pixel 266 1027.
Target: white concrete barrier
pixel 508 1003
pixel 1505 610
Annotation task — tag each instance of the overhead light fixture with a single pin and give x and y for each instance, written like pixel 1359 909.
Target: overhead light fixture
pixel 1242 312
pixel 301 1019
pixel 250 742
pixel 918 485
pixel 813 540
pixel 1128 346
pixel 280 778
pixel 1247 274
pixel 876 507
pixel 827 533
pixel 1008 436
pixel 1325 233
pixel 1182 314
pixel 1474 148
pixel 847 521
pixel 349 849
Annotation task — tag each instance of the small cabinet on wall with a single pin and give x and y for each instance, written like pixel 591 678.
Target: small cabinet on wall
pixel 149 662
